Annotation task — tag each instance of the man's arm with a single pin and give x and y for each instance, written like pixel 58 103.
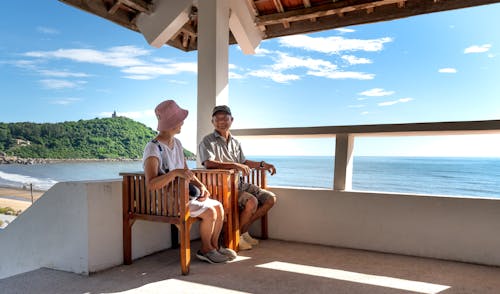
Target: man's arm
pixel 212 164
pixel 261 164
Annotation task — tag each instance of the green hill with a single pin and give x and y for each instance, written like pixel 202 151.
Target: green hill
pixel 100 138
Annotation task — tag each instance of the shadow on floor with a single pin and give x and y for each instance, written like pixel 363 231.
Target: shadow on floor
pixel 272 267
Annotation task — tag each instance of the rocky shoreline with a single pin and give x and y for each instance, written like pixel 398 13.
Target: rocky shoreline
pixel 18 160
pixel 4 159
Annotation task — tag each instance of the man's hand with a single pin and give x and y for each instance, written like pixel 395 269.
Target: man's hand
pixel 270 168
pixel 243 168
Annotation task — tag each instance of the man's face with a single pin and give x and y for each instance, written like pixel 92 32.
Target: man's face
pixel 222 121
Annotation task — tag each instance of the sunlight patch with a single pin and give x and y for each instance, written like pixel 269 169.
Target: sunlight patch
pixel 420 287
pixel 178 286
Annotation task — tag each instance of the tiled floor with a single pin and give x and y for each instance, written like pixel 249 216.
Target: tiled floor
pixel 272 267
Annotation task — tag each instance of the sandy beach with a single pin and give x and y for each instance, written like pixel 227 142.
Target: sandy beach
pixel 17 199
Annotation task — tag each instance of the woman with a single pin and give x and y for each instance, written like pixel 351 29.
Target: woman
pixel 163 160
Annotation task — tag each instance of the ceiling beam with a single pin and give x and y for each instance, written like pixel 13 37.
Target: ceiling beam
pixel 320 11
pixel 241 24
pixel 98 8
pixel 167 19
pixel 356 17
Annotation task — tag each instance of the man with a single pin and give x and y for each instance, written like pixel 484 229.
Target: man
pixel 220 150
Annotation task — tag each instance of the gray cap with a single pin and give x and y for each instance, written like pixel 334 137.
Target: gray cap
pixel 223 108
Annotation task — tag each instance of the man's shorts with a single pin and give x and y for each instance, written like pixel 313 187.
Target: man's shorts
pixel 247 191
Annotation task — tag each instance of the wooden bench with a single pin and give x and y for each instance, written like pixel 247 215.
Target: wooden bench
pixel 257 177
pixel 169 204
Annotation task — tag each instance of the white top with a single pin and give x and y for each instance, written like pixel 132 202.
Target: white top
pixel 169 159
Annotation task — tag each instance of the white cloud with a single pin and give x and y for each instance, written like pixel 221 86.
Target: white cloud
pixel 315 67
pixel 274 75
pixel 344 30
pixel 122 56
pixel 376 92
pixel 477 48
pixel 62 74
pixel 334 44
pixel 60 84
pixel 65 101
pixel 167 69
pixel 447 70
pixel 285 61
pixel 26 64
pixel 342 75
pixel 402 100
pixel 46 30
pixel 178 82
pixel 261 51
pixel 139 77
pixel 356 60
pixel 235 76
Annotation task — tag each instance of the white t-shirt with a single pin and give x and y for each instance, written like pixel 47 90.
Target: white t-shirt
pixel 169 159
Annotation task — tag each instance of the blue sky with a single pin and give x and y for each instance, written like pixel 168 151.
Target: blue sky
pixel 58 63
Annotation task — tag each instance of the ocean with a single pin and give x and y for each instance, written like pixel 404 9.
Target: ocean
pixel 451 176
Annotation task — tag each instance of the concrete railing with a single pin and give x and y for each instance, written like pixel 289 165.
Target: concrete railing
pixel 345 138
pixel 453 228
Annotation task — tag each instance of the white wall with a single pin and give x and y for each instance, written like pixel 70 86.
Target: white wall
pixel 77 227
pixel 51 233
pixel 462 229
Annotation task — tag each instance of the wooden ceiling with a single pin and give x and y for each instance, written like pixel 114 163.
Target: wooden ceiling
pixel 277 18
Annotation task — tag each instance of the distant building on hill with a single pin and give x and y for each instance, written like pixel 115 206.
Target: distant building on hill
pixel 114 114
pixel 21 142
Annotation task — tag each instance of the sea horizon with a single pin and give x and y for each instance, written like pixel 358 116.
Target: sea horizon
pixel 434 175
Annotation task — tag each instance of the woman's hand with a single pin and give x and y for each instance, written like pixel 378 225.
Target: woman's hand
pixel 184 173
pixel 204 194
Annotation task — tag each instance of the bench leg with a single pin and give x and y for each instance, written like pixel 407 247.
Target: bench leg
pixel 263 225
pixel 174 236
pixel 185 250
pixel 127 241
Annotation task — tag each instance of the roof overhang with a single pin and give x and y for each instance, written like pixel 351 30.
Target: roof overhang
pixel 270 18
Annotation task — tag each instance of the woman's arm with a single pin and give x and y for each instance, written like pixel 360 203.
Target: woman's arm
pixel 155 181
pixel 197 182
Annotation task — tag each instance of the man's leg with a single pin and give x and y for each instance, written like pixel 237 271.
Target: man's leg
pixel 248 204
pixel 263 209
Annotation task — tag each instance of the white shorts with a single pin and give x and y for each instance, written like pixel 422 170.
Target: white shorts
pixel 198 207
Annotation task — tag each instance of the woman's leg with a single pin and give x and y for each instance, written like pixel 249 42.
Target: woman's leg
pixel 208 221
pixel 217 226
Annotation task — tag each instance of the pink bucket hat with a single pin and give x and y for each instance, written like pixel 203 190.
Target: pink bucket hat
pixel 169 114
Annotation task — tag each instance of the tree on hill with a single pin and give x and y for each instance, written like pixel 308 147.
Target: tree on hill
pixel 101 138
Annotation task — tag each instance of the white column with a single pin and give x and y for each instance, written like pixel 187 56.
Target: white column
pixel 342 178
pixel 213 42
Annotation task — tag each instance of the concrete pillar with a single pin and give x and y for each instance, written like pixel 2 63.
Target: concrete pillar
pixel 342 178
pixel 213 42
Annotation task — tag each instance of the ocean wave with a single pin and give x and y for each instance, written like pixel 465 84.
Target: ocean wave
pixel 23 181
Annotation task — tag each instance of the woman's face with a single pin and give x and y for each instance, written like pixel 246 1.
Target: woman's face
pixel 177 128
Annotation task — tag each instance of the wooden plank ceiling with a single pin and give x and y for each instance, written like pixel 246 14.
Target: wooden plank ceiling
pixel 277 18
